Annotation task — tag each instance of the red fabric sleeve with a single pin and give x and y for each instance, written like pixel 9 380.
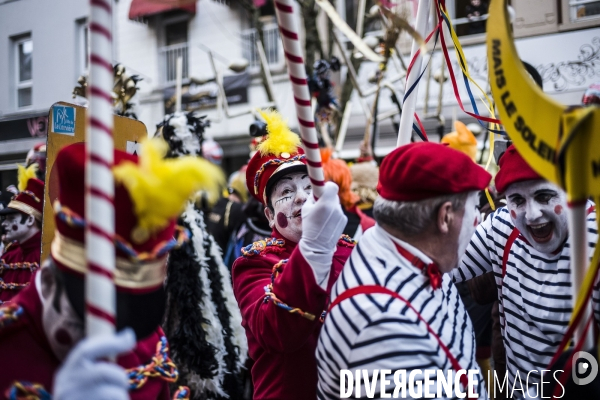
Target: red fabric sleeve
pixel 274 328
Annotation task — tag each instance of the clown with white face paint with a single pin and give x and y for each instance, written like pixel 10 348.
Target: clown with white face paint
pixel 538 210
pixel 285 209
pixel 526 245
pixel 21 223
pixel 19 227
pixel 282 283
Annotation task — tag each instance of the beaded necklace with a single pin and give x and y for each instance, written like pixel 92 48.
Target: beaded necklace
pixel 12 286
pixel 16 266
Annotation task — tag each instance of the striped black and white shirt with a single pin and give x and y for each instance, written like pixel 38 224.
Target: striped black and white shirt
pixel 535 294
pixel 379 332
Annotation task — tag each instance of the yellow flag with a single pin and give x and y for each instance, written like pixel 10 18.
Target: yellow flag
pixel 531 118
pixel 561 144
pixel 579 153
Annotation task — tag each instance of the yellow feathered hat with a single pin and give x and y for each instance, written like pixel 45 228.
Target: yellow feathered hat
pixel 150 192
pixel 278 155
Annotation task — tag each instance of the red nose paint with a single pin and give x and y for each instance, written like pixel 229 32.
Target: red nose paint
pixel 282 220
pixel 475 221
pixel 513 214
pixel 558 210
pixel 63 337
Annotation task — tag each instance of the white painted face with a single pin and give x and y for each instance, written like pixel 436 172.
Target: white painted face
pixel 471 219
pixel 62 325
pixel 538 210
pixel 15 229
pixel 287 198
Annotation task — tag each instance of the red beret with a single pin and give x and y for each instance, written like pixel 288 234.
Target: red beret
pixel 513 168
pixel 419 171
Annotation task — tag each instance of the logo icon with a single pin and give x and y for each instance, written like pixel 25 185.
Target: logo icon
pixel 585 368
pixel 63 120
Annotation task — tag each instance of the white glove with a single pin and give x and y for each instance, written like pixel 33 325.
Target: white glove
pixel 85 376
pixel 323 222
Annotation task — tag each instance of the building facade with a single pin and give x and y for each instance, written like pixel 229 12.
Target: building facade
pixel 43 48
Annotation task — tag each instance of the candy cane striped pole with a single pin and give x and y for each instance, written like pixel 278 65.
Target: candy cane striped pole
pixel 288 26
pixel 100 295
pixel 409 104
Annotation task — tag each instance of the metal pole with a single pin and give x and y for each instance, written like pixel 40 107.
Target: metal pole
pixel 426 107
pixel 441 92
pixel 579 261
pixel 265 66
pixel 100 293
pixel 360 18
pixel 221 93
pixel 178 79
pixel 409 104
pixel 339 144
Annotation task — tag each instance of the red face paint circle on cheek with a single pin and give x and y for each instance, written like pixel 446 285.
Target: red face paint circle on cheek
pixel 558 210
pixel 14 228
pixel 513 214
pixel 282 220
pixel 63 337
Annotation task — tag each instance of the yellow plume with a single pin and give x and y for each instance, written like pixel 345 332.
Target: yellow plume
pixel 462 139
pixel 25 174
pixel 160 187
pixel 280 138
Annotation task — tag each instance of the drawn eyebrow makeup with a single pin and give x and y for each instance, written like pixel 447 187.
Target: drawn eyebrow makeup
pixel 546 191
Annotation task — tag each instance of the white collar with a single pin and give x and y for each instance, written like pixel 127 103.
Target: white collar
pixel 410 248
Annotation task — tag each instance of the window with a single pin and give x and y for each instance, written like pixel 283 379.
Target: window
pixel 271 45
pixel 583 9
pixel 271 40
pixel 176 40
pixel 24 71
pixel 470 16
pixel 83 48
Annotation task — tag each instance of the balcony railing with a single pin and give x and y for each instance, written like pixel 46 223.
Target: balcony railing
pixel 168 57
pixel 271 44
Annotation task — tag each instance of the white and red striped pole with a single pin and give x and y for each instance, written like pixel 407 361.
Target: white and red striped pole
pixel 410 104
pixel 288 26
pixel 100 294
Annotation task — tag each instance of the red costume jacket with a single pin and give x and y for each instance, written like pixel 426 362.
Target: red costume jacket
pixel 283 344
pixel 17 265
pixel 26 354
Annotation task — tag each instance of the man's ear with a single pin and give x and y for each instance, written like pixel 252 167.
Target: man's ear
pixel 270 216
pixel 48 283
pixel 445 216
pixel 30 221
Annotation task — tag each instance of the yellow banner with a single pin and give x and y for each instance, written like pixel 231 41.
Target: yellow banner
pixel 552 138
pixel 579 153
pixel 531 118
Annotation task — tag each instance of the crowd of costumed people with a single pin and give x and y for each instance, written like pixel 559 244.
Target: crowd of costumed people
pixel 247 286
